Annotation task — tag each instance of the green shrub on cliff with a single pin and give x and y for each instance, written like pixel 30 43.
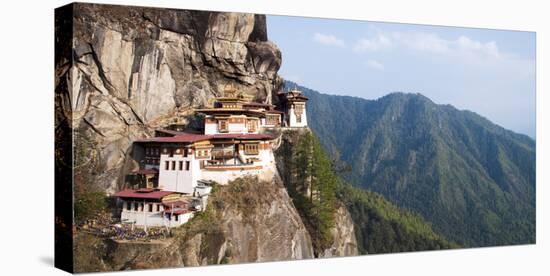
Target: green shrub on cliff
pixel 312 189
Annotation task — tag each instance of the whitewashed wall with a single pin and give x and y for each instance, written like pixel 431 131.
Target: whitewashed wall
pixel 152 219
pixel 292 118
pixel 179 181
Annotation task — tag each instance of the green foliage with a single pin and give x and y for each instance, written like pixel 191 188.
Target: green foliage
pixel 381 227
pixel 89 204
pixel 243 194
pixel 89 199
pixel 312 189
pixel 474 180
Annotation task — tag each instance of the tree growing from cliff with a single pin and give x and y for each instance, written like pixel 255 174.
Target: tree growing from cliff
pixel 89 200
pixel 313 190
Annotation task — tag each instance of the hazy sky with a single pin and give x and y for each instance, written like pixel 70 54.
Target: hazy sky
pixel 491 72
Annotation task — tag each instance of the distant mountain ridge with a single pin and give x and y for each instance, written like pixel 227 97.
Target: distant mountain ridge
pixel 474 180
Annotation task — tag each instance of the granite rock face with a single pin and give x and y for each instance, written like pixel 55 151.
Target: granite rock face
pixel 343 233
pixel 136 69
pixel 248 227
pixel 240 226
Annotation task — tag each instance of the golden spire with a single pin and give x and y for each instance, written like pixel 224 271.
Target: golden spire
pixel 229 91
pixel 295 90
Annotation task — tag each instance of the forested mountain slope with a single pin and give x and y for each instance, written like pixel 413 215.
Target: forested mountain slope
pixel 474 180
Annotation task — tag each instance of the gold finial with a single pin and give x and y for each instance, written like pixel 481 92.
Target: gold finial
pixel 229 90
pixel 295 90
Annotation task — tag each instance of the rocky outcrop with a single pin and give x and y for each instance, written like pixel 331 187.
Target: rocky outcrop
pixel 135 69
pixel 343 235
pixel 248 220
pixel 93 254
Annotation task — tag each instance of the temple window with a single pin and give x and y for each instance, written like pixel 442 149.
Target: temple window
pixel 187 165
pixel 272 120
pixel 166 165
pixel 251 125
pixel 251 149
pixel 298 111
pixel 222 125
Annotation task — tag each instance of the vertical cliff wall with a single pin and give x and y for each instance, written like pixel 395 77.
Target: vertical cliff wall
pixel 135 69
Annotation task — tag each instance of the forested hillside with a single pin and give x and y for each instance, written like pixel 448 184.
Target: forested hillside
pixel 472 179
pixel 315 189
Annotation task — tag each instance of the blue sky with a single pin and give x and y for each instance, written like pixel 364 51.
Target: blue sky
pixel 491 72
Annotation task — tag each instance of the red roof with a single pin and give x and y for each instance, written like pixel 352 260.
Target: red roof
pixel 190 138
pixel 180 138
pixel 142 194
pixel 249 136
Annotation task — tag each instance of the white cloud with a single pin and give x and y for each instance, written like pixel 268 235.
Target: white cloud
pixel 428 42
pixel 328 39
pixel 488 48
pixel 375 65
pixel 422 41
pixel 373 44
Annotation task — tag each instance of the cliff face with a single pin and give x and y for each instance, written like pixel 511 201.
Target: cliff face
pixel 249 221
pixel 136 69
pixel 246 221
pixel 342 233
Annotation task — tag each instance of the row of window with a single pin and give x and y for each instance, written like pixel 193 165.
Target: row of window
pixel 224 105
pixel 149 207
pixel 152 151
pixel 251 149
pixel 169 151
pixel 152 161
pixel 171 165
pixel 202 153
